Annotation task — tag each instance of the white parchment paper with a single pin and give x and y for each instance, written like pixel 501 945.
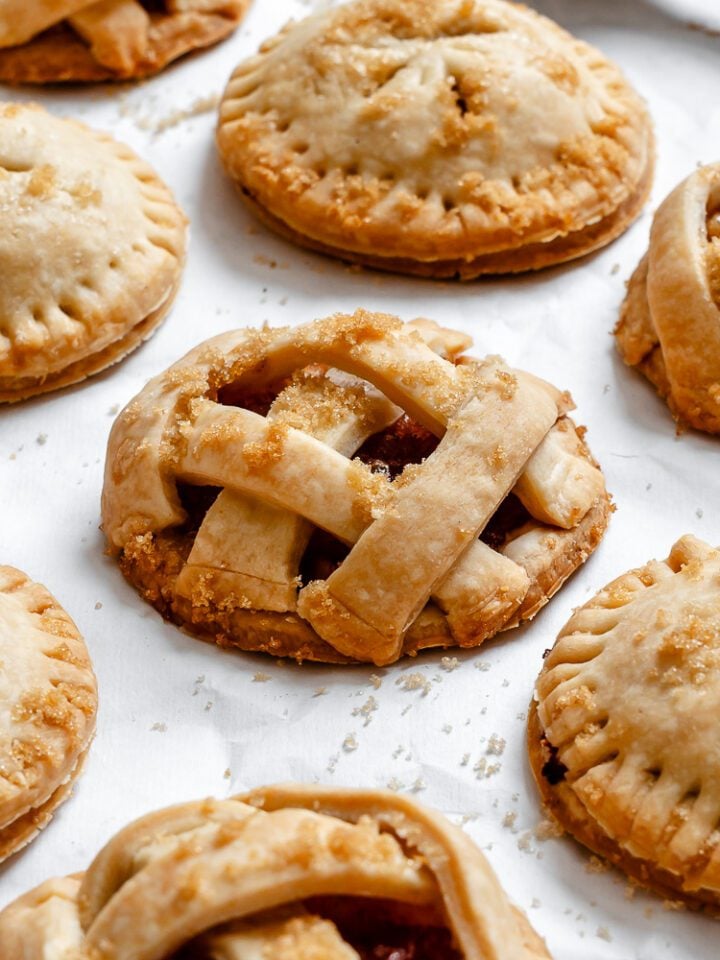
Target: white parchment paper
pixel 180 719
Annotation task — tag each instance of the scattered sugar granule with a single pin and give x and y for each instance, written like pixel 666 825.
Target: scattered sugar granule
pixel 548 830
pixel 483 665
pixel 320 691
pixel 596 865
pixel 227 774
pixel 394 784
pixel 261 677
pixel 199 681
pixel 630 891
pixel 418 786
pixel 699 513
pixel 535 903
pixel 448 664
pixel 496 745
pixel 525 842
pixel 506 683
pixel 414 681
pixel 98 605
pixel 509 819
pixel 113 409
pixel 614 269
pixel 208 706
pixel 159 727
pixel 366 710
pixel 603 934
pixel 398 751
pixel 41 439
pixel 333 762
pixel 677 905
pixel 446 728
pixel 405 710
pixel 375 680
pixel 350 743
pixel 465 760
pixel 202 105
pixel 483 770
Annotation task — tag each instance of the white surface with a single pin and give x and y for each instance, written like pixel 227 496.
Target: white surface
pixel 175 713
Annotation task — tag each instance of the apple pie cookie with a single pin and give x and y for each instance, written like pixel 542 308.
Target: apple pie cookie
pixel 669 327
pixel 91 251
pixel 623 731
pixel 284 872
pixel 48 702
pixel 319 492
pixel 453 138
pixel 53 41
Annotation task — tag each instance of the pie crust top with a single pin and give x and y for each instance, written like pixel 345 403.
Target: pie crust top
pixel 48 701
pixel 283 872
pixel 92 246
pixel 450 438
pixel 467 136
pixel 670 322
pixel 47 41
pixel 624 740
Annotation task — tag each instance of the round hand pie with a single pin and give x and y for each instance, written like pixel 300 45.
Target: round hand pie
pixel 452 138
pixel 50 41
pixel 670 322
pixel 284 872
pixel 319 492
pixel 48 701
pixel 623 734
pixel 91 251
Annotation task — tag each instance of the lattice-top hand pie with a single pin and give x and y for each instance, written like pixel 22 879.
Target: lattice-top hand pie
pixel 452 138
pixel 669 327
pixel 623 735
pixel 50 41
pixel 48 701
pixel 318 492
pixel 283 873
pixel 91 251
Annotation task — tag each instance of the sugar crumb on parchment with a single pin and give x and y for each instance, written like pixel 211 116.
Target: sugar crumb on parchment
pixel 483 770
pixel 227 774
pixel 596 865
pixel 98 605
pixel 260 677
pixel 333 762
pixel 366 710
pixel 446 728
pixel 198 682
pixel 320 691
pixel 448 664
pixel 465 760
pixel 548 829
pixel 414 681
pixel 394 784
pixel 496 745
pixel 602 933
pixel 509 819
pixel 418 785
pixel 376 680
pixel 159 727
pixel 41 439
pixel 350 743
pixel 483 665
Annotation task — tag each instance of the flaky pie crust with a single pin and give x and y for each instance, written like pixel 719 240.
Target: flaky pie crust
pixel 669 327
pixel 54 41
pixel 49 701
pixel 91 253
pixel 623 729
pixel 453 138
pixel 234 877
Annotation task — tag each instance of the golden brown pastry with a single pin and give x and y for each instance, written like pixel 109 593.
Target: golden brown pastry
pixel 91 251
pixel 669 327
pixel 453 138
pixel 53 41
pixel 48 702
pixel 623 730
pixel 318 492
pixel 286 873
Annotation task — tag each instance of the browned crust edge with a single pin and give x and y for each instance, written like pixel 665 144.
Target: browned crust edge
pixel 22 831
pixel 568 811
pixel 26 387
pixel 535 256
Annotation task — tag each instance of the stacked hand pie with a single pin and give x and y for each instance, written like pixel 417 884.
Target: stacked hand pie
pixel 49 41
pixel 334 444
pixel 450 138
pixel 48 702
pixel 91 251
pixel 283 872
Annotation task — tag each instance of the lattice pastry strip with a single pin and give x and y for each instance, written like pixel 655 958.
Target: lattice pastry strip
pixel 670 322
pixel 495 426
pixel 48 41
pixel 624 739
pixel 251 865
